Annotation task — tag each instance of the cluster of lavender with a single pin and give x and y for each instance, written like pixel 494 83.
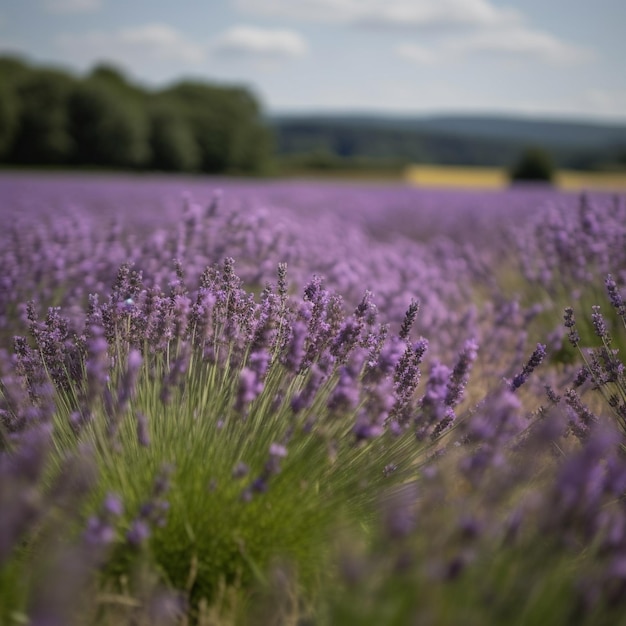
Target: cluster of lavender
pixel 565 249
pixel 319 229
pixel 603 367
pixel 564 253
pixel 514 537
pixel 297 377
pixel 182 405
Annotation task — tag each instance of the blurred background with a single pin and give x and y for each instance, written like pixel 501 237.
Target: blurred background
pixel 471 93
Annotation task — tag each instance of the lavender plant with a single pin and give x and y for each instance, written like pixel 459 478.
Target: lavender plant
pixel 602 366
pixel 565 255
pixel 279 406
pixel 269 451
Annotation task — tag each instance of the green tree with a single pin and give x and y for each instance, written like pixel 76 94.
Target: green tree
pixel 49 117
pixel 172 143
pixel 42 135
pixel 251 141
pixel 109 74
pixel 8 119
pixel 114 77
pixel 13 70
pixel 108 129
pixel 203 109
pixel 226 125
pixel 535 164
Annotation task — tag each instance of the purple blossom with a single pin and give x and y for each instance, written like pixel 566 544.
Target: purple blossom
pixel 100 532
pixel 345 395
pixel 617 301
pixel 250 387
pixel 138 533
pixel 409 319
pixel 278 450
pixel 535 360
pixel 460 375
pixel 599 325
pixel 240 470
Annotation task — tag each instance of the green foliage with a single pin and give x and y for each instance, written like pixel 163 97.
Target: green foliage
pixel 112 76
pixel 172 144
pixel 8 118
pixel 225 124
pixel 49 117
pixel 219 530
pixel 513 586
pixel 43 135
pixel 107 129
pixel 13 70
pixel 323 161
pixel 535 164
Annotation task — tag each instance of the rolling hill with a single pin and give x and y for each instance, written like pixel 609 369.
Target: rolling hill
pixel 452 140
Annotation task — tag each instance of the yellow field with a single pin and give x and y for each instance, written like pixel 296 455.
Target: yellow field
pixel 497 178
pixel 613 181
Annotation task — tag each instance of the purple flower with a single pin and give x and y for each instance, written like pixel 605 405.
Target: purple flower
pixel 138 533
pixel 570 323
pixel 615 297
pixel 409 319
pixel 345 395
pixel 240 470
pixel 364 429
pixel 460 374
pixel 535 360
pixel 599 325
pixel 250 387
pixel 100 532
pixel 278 450
pixel 113 505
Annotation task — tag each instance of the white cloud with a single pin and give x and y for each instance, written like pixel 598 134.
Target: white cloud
pixel 130 46
pixel 260 42
pixel 606 102
pixel 479 26
pixel 518 42
pixel 72 6
pixel 162 41
pixel 387 13
pixel 419 55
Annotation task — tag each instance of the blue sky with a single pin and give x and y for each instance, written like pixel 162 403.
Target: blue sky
pixel 562 58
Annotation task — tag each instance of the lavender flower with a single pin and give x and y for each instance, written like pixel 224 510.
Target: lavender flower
pixel 582 419
pixel 535 360
pixel 570 323
pixel 406 378
pixel 433 403
pixel 100 532
pixel 250 387
pixel 138 533
pixel 152 512
pixel 460 373
pixel 599 325
pixel 240 470
pixel 409 319
pixel 615 297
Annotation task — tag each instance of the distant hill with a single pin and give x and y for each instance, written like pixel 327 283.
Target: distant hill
pixel 459 140
pixel 562 133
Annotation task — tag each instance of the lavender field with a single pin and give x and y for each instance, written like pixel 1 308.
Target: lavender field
pixel 267 402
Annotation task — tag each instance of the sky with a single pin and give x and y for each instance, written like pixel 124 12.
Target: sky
pixel 546 58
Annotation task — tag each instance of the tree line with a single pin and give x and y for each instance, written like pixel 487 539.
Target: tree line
pixel 51 117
